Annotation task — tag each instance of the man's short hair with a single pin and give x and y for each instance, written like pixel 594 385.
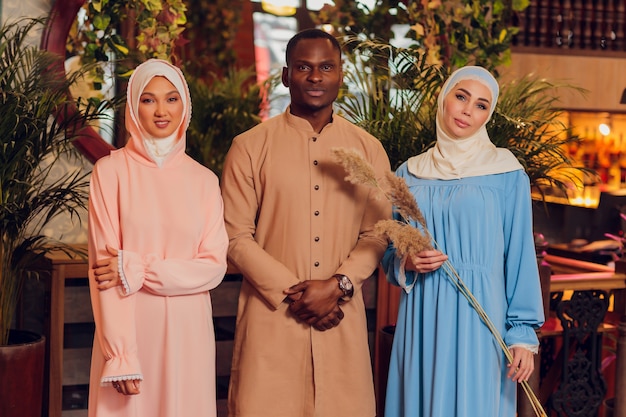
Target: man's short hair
pixel 310 34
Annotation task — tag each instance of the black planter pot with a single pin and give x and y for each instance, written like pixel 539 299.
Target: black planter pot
pixel 22 374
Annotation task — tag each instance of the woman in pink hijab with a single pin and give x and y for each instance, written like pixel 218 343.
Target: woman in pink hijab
pixel 157 245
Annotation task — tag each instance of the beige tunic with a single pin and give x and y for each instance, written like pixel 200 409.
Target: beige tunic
pixel 291 216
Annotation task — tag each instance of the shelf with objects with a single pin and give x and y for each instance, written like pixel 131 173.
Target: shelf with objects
pixel 585 221
pixel 580 231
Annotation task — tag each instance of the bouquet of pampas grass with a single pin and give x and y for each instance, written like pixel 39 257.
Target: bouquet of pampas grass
pixel 409 240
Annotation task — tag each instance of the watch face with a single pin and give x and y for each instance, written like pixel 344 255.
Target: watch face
pixel 346 284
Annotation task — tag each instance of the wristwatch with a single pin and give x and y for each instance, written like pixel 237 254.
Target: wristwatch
pixel 345 285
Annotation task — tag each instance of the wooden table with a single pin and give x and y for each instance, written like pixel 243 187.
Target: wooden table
pixel 568 274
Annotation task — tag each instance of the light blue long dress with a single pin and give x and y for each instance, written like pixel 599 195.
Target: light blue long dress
pixel 444 360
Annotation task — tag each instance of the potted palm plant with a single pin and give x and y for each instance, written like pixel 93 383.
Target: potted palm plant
pixel 36 129
pixel 394 96
pixel 223 107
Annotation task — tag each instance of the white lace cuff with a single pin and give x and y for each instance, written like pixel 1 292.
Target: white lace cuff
pixel 120 268
pixel 402 276
pixel 110 379
pixel 533 348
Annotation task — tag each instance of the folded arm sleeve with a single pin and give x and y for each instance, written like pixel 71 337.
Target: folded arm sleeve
pixel 171 277
pixel 114 314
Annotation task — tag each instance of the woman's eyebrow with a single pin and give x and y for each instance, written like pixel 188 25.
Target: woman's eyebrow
pixel 470 94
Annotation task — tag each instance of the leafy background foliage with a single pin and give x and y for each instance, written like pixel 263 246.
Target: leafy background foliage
pixel 450 33
pixel 36 130
pixel 221 110
pixel 395 99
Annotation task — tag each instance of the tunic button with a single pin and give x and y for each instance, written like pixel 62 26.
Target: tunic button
pixel 314 139
pixel 317 187
pixel 317 213
pixel 315 162
pixel 317 264
pixel 317 238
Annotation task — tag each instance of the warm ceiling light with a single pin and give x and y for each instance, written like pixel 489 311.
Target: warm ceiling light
pixel 605 129
pixel 280 7
pixel 328 28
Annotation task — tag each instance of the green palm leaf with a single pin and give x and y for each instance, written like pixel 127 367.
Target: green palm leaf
pixel 36 129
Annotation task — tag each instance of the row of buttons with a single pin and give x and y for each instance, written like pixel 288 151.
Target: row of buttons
pixel 317 213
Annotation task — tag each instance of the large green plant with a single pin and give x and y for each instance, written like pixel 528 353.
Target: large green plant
pixel 454 33
pixel 223 107
pixel 451 33
pixel 397 103
pixel 37 127
pixel 391 92
pixel 529 121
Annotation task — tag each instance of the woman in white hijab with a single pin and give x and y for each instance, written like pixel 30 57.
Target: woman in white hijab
pixel 476 201
pixel 157 245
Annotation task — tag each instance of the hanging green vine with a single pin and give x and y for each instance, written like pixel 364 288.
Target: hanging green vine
pixel 96 35
pixel 160 24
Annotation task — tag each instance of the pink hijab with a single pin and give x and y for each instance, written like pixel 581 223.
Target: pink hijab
pixel 473 156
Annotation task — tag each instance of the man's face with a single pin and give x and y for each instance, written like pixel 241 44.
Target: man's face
pixel 313 76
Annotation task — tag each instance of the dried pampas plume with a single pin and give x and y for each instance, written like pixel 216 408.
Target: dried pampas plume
pixel 406 239
pixel 403 200
pixel 359 171
pixel 393 188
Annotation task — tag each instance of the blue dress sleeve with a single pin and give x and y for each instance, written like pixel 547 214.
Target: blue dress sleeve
pixel 392 264
pixel 396 274
pixel 523 288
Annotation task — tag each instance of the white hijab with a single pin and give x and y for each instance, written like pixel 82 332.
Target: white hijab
pixel 157 149
pixel 459 158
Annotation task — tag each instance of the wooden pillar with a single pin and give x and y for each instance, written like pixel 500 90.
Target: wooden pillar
pixel 388 299
pixel 244 40
pixel 53 39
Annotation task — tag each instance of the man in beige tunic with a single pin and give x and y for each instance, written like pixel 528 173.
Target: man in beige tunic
pixel 303 239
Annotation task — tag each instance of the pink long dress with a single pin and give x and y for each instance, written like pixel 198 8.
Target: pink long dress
pixel 167 223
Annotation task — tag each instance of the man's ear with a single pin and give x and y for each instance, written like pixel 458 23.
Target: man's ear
pixel 285 77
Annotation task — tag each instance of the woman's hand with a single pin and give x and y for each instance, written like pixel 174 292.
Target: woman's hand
pixel 523 364
pixel 106 271
pixel 130 387
pixel 425 261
